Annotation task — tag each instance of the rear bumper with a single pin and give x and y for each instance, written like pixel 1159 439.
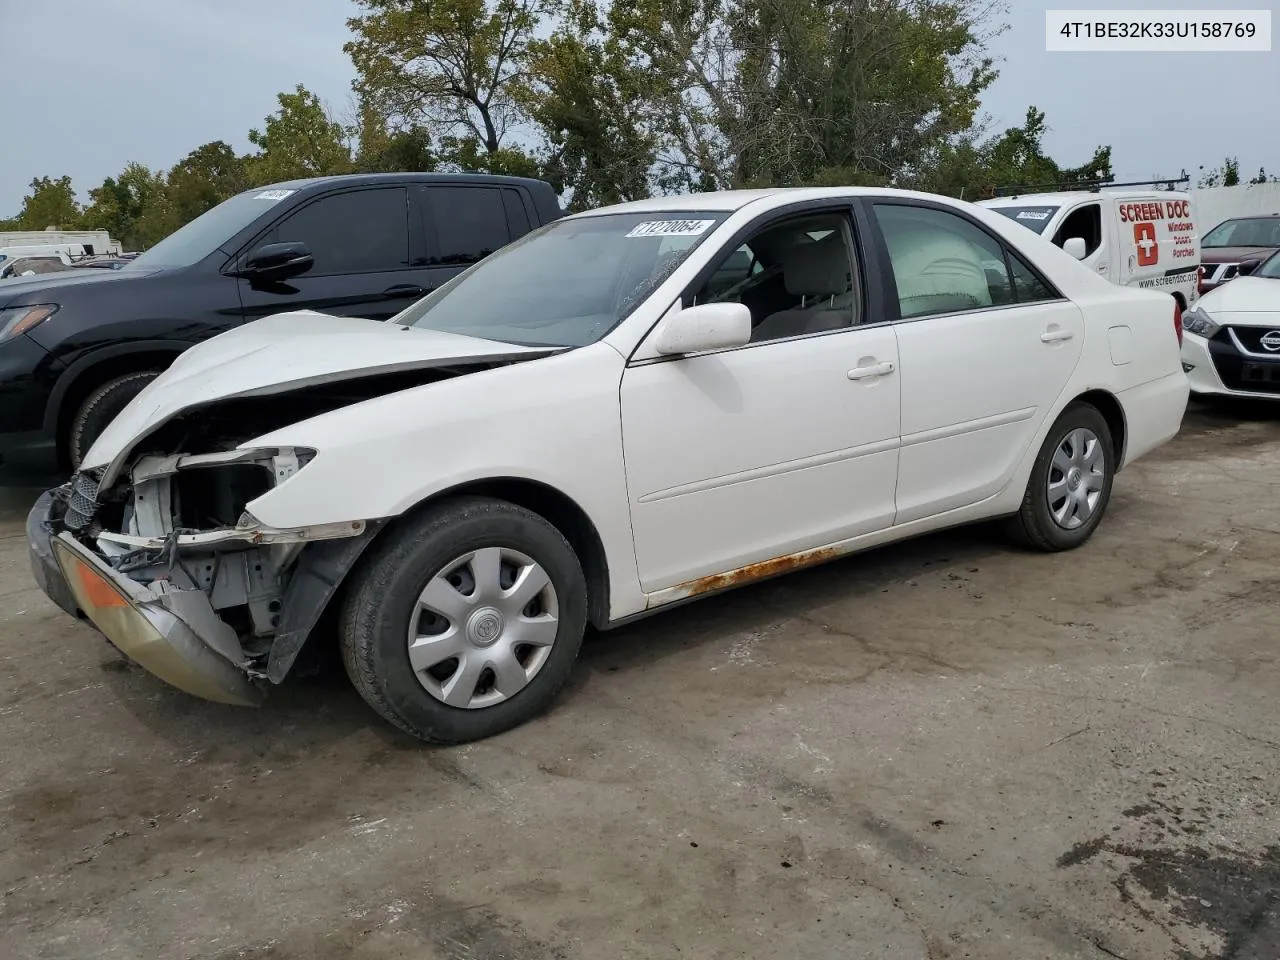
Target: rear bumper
pixel 1153 413
pixel 173 634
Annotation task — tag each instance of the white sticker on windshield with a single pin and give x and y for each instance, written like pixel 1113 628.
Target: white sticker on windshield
pixel 1032 215
pixel 273 194
pixel 671 228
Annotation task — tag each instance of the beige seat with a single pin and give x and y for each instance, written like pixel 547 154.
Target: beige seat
pixel 819 273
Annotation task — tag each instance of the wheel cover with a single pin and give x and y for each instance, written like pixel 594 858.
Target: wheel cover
pixel 1077 476
pixel 483 627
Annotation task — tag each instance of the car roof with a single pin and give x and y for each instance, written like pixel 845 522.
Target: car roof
pixel 363 179
pixel 728 201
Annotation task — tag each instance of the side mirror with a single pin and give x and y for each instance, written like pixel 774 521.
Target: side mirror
pixel 1246 267
pixel 278 261
pixel 1075 247
pixel 707 326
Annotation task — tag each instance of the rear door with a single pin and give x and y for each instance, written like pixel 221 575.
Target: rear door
pixel 986 346
pixel 360 241
pixel 453 225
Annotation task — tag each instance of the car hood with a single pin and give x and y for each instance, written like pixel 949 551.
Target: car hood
pixel 44 287
pixel 286 352
pixel 1234 254
pixel 1258 295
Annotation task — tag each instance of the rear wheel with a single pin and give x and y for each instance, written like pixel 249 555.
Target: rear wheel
pixel 466 622
pixel 101 407
pixel 1070 484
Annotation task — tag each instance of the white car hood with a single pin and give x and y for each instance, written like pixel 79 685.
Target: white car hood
pixel 285 352
pixel 1256 295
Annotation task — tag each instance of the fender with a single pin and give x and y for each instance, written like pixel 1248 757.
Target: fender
pixel 71 373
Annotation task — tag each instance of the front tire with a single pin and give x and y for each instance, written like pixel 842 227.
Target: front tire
pixel 1070 484
pixel 466 622
pixel 101 407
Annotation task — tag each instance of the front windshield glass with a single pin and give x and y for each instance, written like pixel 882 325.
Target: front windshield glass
pixel 1252 232
pixel 566 284
pixel 1270 268
pixel 206 233
pixel 1033 218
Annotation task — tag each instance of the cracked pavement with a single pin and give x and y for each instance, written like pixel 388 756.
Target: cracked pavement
pixel 942 749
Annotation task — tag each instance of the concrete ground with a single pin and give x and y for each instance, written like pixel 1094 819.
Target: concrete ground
pixel 943 749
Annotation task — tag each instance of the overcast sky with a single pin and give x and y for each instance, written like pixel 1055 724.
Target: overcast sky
pixel 104 82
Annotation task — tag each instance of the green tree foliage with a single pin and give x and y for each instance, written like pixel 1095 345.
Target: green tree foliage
pixel 51 203
pixel 456 66
pixel 301 139
pixel 1228 175
pixel 204 178
pixel 590 104
pixel 380 149
pixel 134 207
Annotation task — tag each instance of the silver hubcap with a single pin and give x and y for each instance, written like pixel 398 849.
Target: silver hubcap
pixel 483 628
pixel 1077 475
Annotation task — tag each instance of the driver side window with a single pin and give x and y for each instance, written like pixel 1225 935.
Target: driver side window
pixel 798 277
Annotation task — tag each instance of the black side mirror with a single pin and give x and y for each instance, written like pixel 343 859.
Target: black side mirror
pixel 1246 268
pixel 278 261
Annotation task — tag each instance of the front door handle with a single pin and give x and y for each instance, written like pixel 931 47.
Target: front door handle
pixel 404 291
pixel 1054 336
pixel 871 370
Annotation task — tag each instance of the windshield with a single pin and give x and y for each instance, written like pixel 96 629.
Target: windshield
pixel 1254 232
pixel 203 235
pixel 1033 218
pixel 1270 268
pixel 566 284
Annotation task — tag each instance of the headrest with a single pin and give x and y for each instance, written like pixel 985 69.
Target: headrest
pixel 817 269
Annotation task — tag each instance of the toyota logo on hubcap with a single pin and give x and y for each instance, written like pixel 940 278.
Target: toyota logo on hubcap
pixel 1271 341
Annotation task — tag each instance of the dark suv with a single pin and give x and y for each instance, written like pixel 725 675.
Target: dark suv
pixel 77 346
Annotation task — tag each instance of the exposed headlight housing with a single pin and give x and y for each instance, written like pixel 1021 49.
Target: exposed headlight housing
pixel 1200 323
pixel 15 321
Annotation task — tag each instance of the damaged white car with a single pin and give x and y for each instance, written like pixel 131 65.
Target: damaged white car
pixel 619 412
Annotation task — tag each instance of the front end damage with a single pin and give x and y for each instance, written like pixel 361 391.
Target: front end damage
pixel 171 567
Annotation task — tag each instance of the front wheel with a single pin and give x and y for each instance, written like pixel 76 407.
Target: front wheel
pixel 1070 484
pixel 102 406
pixel 466 622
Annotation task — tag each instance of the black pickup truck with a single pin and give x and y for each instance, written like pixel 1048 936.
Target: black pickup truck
pixel 77 346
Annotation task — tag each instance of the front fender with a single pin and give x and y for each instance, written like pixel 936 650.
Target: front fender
pixel 554 421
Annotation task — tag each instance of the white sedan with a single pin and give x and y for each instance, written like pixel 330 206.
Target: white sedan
pixel 624 410
pixel 1232 343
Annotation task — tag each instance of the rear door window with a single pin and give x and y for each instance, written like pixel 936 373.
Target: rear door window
pixel 463 225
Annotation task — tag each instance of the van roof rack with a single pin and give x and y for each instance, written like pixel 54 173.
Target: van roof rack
pixel 1093 186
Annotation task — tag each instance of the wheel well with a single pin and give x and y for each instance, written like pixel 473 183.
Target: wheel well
pixel 1107 405
pixel 562 513
pixel 91 378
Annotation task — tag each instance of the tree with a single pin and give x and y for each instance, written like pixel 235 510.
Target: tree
pixel 791 92
pixel 133 207
pixel 458 66
pixel 1228 175
pixel 51 203
pixel 204 178
pixel 383 150
pixel 301 139
pixel 1262 177
pixel 590 105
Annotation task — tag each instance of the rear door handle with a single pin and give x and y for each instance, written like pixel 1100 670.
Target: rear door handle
pixel 871 370
pixel 403 291
pixel 1054 336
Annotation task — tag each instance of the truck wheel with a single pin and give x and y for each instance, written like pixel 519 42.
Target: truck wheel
pixel 466 622
pixel 100 408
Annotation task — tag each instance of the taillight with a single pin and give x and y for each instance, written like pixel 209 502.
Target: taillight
pixel 1177 320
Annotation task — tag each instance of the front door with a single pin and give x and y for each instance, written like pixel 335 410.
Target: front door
pixel 986 345
pixel 360 242
pixel 786 444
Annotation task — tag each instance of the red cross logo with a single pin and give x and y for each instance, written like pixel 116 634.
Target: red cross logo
pixel 1144 235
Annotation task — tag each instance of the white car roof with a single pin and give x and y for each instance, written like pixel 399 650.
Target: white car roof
pixel 731 200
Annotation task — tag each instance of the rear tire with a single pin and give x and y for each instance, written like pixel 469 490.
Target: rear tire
pixel 1070 484
pixel 437 633
pixel 100 408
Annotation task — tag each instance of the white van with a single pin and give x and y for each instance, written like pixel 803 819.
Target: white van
pixel 1134 238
